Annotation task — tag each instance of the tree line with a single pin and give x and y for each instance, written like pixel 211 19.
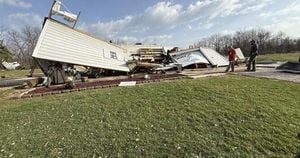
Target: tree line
pixel 21 43
pixel 267 41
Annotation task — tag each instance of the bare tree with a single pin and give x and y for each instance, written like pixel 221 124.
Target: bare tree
pixel 298 45
pixel 22 43
pixel 263 37
pixel 15 44
pixel 267 41
pixel 2 35
pixel 30 37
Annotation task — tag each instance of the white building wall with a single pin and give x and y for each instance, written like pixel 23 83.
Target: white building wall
pixel 63 44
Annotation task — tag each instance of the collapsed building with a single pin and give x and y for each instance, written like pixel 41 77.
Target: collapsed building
pixel 60 48
pixel 64 53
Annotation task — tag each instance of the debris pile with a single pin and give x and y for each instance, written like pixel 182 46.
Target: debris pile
pixel 66 55
pixel 10 66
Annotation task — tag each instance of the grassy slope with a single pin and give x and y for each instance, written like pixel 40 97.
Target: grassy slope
pixel 4 93
pixel 17 73
pixel 227 116
pixel 280 57
pixel 14 73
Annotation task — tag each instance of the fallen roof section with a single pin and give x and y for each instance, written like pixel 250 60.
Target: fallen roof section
pixel 189 57
pixel 199 56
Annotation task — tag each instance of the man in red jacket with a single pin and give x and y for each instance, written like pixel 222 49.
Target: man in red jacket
pixel 232 55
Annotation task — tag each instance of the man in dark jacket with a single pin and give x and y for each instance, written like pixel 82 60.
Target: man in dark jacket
pixel 253 54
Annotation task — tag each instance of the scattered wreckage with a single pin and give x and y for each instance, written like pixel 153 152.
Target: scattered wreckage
pixel 151 59
pixel 65 54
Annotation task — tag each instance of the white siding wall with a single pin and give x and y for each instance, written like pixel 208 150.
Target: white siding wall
pixel 63 44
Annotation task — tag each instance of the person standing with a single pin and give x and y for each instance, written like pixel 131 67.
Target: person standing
pixel 251 66
pixel 232 56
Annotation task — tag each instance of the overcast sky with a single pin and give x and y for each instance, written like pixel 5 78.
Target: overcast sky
pixel 172 22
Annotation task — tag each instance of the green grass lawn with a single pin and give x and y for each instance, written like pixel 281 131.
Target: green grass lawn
pixel 280 57
pixel 4 92
pixel 229 116
pixel 17 73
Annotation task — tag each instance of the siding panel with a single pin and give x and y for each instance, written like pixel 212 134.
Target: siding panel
pixel 63 44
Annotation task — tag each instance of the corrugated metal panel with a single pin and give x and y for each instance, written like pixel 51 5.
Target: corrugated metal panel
pixel 186 58
pixel 214 57
pixel 63 44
